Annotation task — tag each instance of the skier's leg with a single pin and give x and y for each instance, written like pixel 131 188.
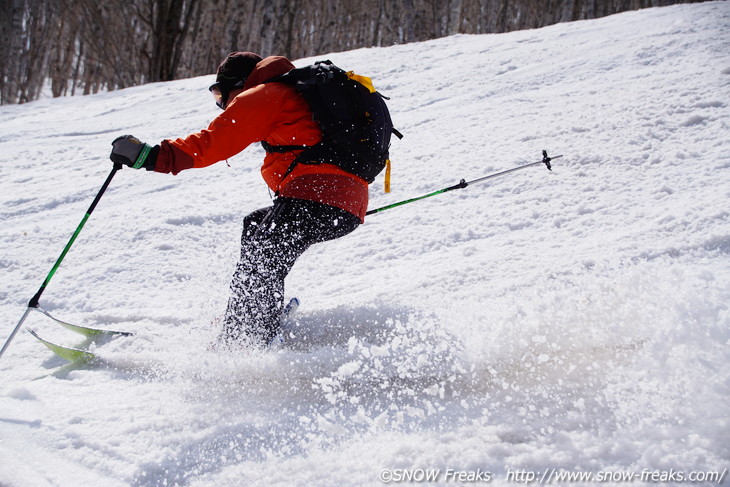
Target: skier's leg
pixel 270 246
pixel 243 283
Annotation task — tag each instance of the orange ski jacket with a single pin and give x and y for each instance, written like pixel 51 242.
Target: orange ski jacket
pixel 277 114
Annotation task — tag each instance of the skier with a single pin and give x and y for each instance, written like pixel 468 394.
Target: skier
pixel 313 202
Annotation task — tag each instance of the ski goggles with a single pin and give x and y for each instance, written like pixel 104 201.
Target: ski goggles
pixel 221 91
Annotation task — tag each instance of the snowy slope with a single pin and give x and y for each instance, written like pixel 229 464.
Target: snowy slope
pixel 575 319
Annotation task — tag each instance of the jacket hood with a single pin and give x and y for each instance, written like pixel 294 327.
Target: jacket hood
pixel 268 68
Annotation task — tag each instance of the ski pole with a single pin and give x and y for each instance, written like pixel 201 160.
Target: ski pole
pixel 463 184
pixel 33 303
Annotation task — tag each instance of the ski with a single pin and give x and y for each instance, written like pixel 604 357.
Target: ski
pixel 78 355
pixel 84 330
pixel 67 353
pixel 74 354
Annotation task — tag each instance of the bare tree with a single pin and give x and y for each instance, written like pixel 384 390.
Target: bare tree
pixel 170 23
pixel 24 28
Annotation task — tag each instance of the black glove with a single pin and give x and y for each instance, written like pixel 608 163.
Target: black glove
pixel 132 152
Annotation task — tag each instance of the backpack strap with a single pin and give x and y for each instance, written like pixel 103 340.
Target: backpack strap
pixel 307 152
pixel 282 148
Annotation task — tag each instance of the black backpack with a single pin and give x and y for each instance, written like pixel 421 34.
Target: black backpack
pixel 354 119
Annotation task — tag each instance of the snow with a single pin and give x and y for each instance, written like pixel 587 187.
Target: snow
pixel 574 320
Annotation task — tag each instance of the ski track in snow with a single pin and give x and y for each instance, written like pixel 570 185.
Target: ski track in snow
pixel 574 319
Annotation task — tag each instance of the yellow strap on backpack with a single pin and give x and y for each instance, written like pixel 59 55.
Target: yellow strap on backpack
pixel 386 184
pixel 363 80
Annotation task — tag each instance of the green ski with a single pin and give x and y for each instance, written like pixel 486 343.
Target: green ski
pixel 68 353
pixel 84 330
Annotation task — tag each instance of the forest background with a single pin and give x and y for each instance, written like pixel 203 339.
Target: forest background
pixel 72 47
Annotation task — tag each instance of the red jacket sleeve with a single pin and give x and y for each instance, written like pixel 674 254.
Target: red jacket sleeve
pixel 248 119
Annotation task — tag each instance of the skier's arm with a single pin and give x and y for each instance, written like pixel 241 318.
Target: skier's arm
pixel 247 119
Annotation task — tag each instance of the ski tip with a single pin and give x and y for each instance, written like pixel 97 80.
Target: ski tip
pixel 84 330
pixel 67 353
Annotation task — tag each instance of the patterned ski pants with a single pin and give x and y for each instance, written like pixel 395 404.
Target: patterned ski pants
pixel 272 240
